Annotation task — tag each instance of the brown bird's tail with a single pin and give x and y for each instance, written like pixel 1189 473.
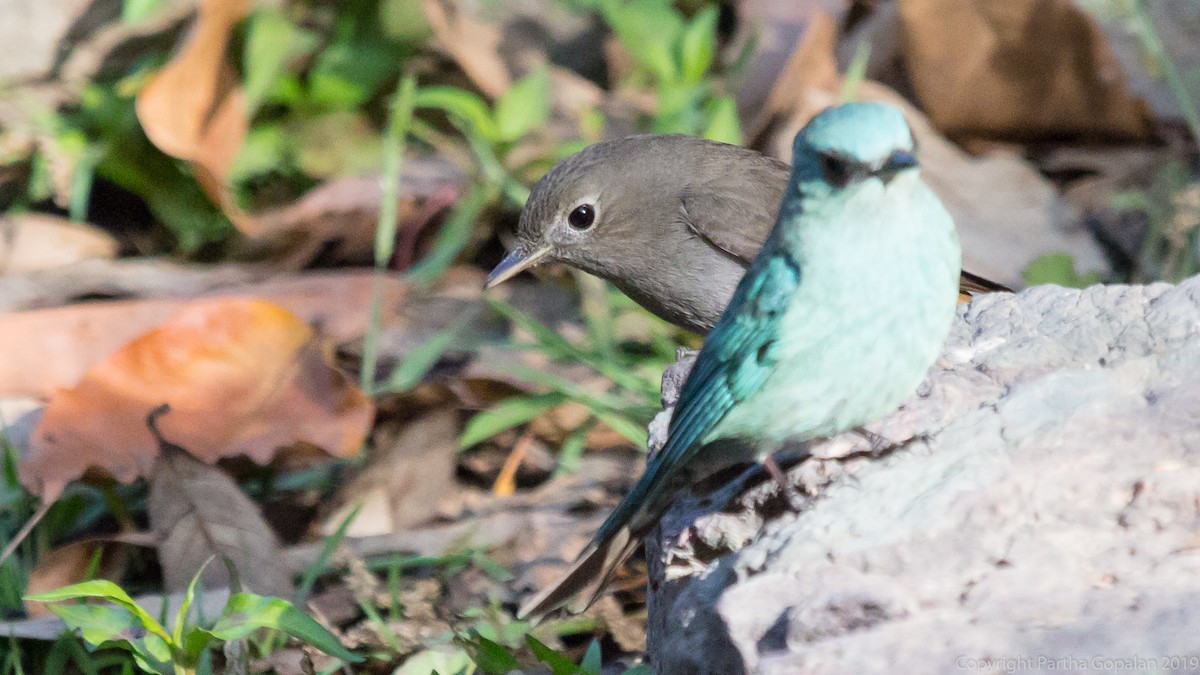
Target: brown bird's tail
pixel 592 571
pixel 972 284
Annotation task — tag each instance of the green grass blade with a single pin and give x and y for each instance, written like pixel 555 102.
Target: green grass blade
pixel 385 229
pixel 506 415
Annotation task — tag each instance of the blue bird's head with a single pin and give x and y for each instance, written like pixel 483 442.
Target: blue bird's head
pixel 852 142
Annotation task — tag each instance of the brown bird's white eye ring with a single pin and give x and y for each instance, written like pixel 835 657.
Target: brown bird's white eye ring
pixel 582 217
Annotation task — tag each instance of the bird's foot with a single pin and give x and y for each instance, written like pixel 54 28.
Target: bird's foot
pixel 795 501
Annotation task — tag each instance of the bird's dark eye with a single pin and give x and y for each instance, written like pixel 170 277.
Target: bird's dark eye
pixel 838 171
pixel 582 217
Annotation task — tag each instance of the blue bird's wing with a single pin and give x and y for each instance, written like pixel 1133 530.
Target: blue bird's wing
pixel 732 365
pixel 736 358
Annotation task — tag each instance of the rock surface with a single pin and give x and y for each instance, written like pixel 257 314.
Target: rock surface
pixel 1044 513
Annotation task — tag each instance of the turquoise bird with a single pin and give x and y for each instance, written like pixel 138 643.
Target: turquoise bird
pixel 834 324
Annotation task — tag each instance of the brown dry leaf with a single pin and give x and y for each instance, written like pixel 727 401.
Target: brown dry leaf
pixel 122 278
pixel 338 219
pixel 475 46
pixel 39 241
pixel 52 348
pixel 242 377
pixel 197 511
pixel 410 471
pixel 1022 68
pixel 195 109
pixel 70 564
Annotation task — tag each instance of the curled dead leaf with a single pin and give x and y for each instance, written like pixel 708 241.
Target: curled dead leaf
pixel 194 108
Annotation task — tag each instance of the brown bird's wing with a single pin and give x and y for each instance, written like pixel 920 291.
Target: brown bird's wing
pixel 734 226
pixel 732 202
pixel 587 578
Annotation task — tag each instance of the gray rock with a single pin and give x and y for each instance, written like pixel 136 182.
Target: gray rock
pixel 1040 511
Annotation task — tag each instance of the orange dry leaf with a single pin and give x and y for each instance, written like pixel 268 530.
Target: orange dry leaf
pixel 195 109
pixel 242 377
pixel 49 349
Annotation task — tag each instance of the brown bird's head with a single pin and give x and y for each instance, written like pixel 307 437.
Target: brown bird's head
pixel 603 207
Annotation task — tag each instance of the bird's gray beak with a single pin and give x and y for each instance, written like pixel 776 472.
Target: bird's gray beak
pixel 513 264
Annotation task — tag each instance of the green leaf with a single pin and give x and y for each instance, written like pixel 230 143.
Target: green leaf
pixel 698 46
pixel 524 106
pixel 492 658
pixel 134 11
pixel 105 590
pixel 559 664
pixel 1058 268
pixel 348 73
pixel 723 122
pixel 188 596
pixel 272 41
pixel 266 149
pixel 463 105
pixel 108 624
pixel 648 29
pixel 506 415
pixel 591 659
pixel 194 641
pixel 247 612
pixel 442 660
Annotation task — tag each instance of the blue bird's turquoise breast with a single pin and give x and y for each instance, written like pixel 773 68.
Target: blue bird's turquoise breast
pixel 866 320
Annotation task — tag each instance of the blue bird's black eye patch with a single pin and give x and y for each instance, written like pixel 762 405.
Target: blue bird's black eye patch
pixel 838 170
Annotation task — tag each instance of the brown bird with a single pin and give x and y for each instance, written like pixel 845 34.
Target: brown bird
pixel 671 220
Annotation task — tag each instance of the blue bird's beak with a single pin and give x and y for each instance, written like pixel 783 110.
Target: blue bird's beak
pixel 513 264
pixel 897 162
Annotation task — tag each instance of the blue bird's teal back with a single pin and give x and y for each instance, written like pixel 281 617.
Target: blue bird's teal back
pixel 835 323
